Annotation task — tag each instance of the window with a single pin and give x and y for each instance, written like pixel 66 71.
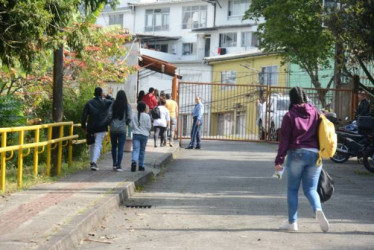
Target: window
pixel 157 19
pixel 157 47
pixel 116 19
pixel 187 49
pixel 228 77
pixel 194 17
pixel 249 39
pixel 238 7
pixel 269 75
pixel 227 40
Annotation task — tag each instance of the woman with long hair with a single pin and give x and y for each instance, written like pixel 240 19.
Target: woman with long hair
pixel 140 126
pixel 140 96
pixel 161 124
pixel 120 117
pixel 299 141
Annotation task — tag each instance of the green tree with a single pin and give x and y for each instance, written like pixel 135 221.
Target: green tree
pixel 294 30
pixel 352 23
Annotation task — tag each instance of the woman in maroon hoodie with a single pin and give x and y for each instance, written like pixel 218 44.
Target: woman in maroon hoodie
pixel 299 141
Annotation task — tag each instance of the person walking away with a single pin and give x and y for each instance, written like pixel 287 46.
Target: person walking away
pixel 157 95
pixel 140 127
pixel 150 99
pixel 140 96
pixel 172 106
pixel 161 124
pixel 363 108
pixel 300 144
pixel 197 114
pixel 119 116
pixel 93 121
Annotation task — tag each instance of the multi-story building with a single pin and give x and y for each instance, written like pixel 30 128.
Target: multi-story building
pixel 184 32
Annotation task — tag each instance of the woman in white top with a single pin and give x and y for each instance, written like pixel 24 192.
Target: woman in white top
pixel 160 125
pixel 140 127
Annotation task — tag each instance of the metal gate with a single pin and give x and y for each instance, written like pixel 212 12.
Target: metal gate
pixel 248 112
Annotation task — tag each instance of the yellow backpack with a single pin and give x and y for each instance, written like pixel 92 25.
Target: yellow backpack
pixel 327 139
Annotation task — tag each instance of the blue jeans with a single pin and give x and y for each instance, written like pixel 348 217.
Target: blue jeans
pixel 195 133
pixel 138 148
pixel 118 142
pixel 301 167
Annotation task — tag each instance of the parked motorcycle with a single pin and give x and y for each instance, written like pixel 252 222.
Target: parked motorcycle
pixel 366 125
pixel 350 143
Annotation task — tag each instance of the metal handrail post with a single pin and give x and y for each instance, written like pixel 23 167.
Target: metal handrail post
pixel 59 152
pixel 20 159
pixel 3 162
pixel 36 153
pixel 70 147
pixel 48 163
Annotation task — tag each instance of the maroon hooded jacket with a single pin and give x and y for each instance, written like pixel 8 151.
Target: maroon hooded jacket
pixel 299 130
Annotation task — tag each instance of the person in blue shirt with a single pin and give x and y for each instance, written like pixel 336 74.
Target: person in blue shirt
pixel 197 114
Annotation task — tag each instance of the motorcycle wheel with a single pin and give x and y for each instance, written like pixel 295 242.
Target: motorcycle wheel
pixel 339 157
pixel 369 163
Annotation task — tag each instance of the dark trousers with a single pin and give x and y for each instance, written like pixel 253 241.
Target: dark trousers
pixel 118 142
pixel 195 133
pixel 160 131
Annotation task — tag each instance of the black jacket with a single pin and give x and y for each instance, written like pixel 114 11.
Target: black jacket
pixel 363 108
pixel 96 110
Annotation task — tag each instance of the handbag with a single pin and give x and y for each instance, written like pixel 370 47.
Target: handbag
pixel 325 186
pixel 90 138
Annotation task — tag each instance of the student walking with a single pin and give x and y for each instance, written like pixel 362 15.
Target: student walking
pixel 172 106
pixel 197 114
pixel 161 124
pixel 140 126
pixel 300 144
pixel 94 122
pixel 119 117
pixel 150 99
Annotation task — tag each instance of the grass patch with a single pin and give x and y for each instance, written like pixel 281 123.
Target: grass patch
pixel 138 188
pixel 29 180
pixel 363 173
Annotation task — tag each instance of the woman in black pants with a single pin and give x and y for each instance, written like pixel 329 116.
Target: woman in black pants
pixel 161 124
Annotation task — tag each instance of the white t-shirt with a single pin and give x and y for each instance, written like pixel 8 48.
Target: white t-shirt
pixel 164 117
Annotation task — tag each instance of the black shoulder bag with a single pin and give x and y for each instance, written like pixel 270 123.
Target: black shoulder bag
pixel 325 186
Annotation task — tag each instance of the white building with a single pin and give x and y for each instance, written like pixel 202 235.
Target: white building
pixel 183 32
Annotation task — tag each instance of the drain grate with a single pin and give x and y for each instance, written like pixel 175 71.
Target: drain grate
pixel 138 206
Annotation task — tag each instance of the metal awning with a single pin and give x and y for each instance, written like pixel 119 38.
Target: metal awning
pixel 146 37
pixel 222 27
pixel 157 65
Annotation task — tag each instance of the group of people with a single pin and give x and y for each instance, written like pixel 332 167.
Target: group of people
pixel 103 111
pixel 163 112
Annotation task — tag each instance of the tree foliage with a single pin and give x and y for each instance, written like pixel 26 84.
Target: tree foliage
pixel 293 29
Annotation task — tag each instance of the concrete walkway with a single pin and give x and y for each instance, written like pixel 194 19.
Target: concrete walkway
pixel 59 214
pixel 223 197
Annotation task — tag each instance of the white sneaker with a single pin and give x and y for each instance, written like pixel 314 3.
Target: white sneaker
pixel 291 227
pixel 323 223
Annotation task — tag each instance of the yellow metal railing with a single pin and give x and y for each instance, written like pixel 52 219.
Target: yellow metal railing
pixel 51 144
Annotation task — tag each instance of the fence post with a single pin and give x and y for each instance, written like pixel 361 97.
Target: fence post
pixel 3 162
pixel 70 147
pixel 268 108
pixel 48 163
pixel 20 159
pixel 59 152
pixel 36 153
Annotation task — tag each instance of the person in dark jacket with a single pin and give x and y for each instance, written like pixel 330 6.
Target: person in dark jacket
pixel 94 121
pixel 363 108
pixel 299 141
pixel 119 116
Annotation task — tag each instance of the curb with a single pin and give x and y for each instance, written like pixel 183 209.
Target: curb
pixel 70 236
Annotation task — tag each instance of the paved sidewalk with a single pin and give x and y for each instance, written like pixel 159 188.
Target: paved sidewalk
pixel 223 197
pixel 56 215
